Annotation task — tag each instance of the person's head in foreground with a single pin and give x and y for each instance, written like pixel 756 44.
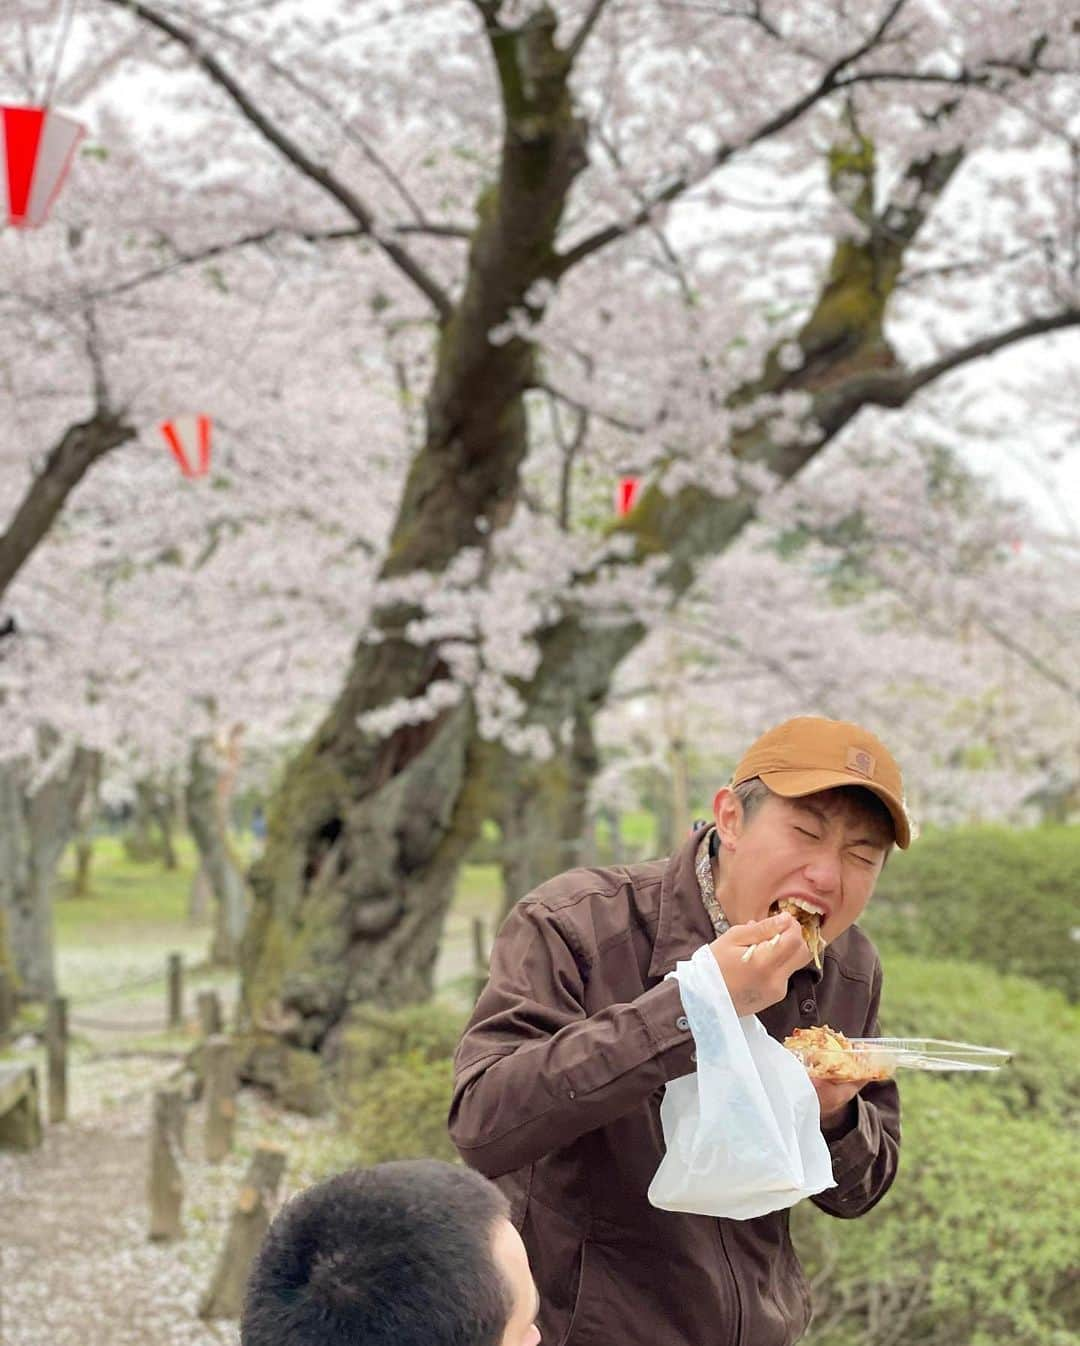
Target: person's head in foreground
pixel 812 811
pixel 410 1253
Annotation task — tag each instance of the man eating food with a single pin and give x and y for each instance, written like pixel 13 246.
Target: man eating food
pixel 561 1070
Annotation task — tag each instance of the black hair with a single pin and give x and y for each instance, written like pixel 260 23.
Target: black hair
pixel 394 1255
pixel 863 803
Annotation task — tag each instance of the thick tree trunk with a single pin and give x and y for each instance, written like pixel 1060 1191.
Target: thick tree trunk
pixel 543 813
pixel 368 829
pixel 199 896
pixel 154 822
pixel 84 858
pixel 163 812
pixel 140 843
pixel 680 794
pixel 84 834
pixel 34 830
pixel 351 894
pixel 216 859
pixel 616 847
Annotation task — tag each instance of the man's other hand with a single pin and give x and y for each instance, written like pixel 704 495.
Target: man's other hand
pixel 835 1101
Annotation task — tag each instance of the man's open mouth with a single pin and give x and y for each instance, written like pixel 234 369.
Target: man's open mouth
pixel 810 918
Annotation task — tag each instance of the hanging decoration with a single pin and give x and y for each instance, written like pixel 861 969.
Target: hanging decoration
pixel 626 495
pixel 36 149
pixel 189 439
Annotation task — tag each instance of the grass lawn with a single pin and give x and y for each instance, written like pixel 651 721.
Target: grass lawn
pixel 137 913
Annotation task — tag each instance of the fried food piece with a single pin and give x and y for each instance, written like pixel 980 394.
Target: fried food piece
pixel 828 1055
pixel 811 928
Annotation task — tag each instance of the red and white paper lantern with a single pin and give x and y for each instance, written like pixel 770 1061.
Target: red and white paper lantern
pixel 626 495
pixel 189 439
pixel 35 154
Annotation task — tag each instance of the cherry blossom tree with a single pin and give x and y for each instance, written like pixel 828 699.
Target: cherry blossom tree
pixel 144 611
pixel 910 597
pixel 695 244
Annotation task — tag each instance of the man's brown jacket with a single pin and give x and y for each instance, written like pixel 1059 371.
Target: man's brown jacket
pixel 557 1090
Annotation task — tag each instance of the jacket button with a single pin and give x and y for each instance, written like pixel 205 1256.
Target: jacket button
pixel 571 1094
pixel 682 1023
pixel 693 1057
pixel 808 1006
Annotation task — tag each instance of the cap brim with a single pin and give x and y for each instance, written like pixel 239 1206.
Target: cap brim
pixel 795 784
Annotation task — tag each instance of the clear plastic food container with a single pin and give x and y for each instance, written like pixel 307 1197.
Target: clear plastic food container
pixel 880 1058
pixel 932 1053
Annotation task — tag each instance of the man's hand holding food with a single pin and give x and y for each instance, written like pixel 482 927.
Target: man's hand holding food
pixel 757 960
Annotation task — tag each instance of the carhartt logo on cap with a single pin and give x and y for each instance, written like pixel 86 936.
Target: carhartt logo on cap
pixel 858 759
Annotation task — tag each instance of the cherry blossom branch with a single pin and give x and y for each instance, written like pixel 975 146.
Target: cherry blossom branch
pixel 317 173
pixel 72 457
pixel 1027 656
pixel 836 404
pixel 977 265
pixel 315 96
pixel 629 427
pixel 185 259
pixel 976 350
pixel 654 227
pixel 888 579
pixel 827 84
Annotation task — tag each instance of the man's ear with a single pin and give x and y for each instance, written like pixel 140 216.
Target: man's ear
pixel 728 815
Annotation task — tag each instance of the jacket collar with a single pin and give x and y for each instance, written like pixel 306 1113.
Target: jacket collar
pixel 684 925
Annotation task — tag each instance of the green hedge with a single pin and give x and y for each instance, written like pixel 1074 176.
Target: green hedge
pixel 990 894
pixel 975 1244
pixel 394 1083
pixel 976 1241
pixel 967 1002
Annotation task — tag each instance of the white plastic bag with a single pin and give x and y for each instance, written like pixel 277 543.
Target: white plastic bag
pixel 743 1134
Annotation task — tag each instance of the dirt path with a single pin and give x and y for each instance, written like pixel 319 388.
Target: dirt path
pixel 76 1268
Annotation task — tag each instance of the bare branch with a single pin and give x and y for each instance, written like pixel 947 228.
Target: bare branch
pixel 569 452
pixel 587 25
pixel 97 364
pixel 317 173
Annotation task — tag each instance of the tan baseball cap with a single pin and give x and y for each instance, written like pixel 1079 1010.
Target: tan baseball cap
pixel 810 753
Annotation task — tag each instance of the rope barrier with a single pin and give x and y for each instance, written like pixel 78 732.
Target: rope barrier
pixel 137 983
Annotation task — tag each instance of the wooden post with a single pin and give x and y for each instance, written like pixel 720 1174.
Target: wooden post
pixel 219 1069
pixel 165 1187
pixel 175 979
pixel 7 1003
pixel 56 1038
pixel 250 1220
pixel 480 956
pixel 210 1017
